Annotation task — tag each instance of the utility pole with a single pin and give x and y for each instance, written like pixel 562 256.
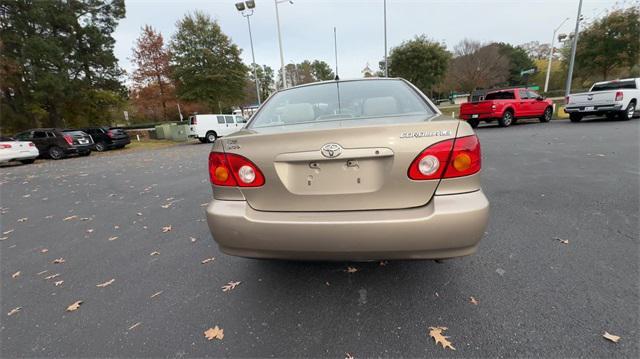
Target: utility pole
pixel 246 9
pixel 573 50
pixel 386 61
pixel 553 40
pixel 282 68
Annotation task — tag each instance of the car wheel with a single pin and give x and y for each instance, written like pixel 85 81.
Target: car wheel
pixel 28 162
pixel 474 123
pixel 629 112
pixel 56 153
pixel 507 119
pixel 575 117
pixel 83 154
pixel 202 139
pixel 546 116
pixel 101 146
pixel 211 136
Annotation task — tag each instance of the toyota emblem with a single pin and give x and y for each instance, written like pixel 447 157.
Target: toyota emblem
pixel 331 150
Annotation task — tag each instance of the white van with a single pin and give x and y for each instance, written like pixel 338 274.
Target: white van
pixel 209 127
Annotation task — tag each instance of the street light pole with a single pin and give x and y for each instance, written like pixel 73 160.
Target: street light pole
pixel 553 40
pixel 246 9
pixel 282 69
pixel 573 50
pixel 386 61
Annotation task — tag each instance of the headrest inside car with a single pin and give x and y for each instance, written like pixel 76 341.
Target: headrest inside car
pixel 298 112
pixel 380 106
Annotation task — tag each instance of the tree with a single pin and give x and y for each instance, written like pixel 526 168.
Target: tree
pixel 152 73
pixel 307 72
pixel 536 51
pixel 420 61
pixel 57 61
pixel 610 44
pixel 519 60
pixel 267 84
pixel 476 66
pixel 321 71
pixel 206 65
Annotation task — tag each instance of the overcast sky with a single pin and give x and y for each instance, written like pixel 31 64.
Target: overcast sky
pixel 307 25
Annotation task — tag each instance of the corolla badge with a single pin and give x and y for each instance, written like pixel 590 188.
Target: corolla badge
pixel 331 150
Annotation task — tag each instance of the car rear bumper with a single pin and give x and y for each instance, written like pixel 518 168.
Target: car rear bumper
pixel 480 116
pixel 120 142
pixel 449 226
pixel 19 156
pixel 593 110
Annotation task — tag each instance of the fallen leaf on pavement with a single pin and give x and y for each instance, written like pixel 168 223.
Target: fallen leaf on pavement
pixel 52 276
pixel 113 238
pixel 139 214
pixel 214 333
pixel 166 229
pixel 3 238
pixel 351 269
pixel 16 274
pixel 204 204
pixel 7 232
pixel 473 301
pixel 611 337
pixel 230 286
pixel 154 253
pixel 437 334
pixel 58 283
pixel 14 311
pixel 43 272
pixel 156 294
pixel 74 306
pixel 133 326
pixel 192 239
pixel 166 205
pixel 348 356
pixel 44 250
pixel 205 261
pixel 58 261
pixel 23 219
pixel 70 218
pixel 102 285
pixel 90 230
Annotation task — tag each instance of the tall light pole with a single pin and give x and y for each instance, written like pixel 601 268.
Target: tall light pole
pixel 553 40
pixel 386 62
pixel 282 69
pixel 246 9
pixel 573 50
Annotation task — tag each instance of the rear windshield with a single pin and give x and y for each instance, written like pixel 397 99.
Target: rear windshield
pixel 340 101
pixel 614 85
pixel 500 95
pixel 75 133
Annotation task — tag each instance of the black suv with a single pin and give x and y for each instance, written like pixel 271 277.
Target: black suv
pixel 106 138
pixel 56 143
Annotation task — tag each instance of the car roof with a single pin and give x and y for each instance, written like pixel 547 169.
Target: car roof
pixel 617 80
pixel 343 81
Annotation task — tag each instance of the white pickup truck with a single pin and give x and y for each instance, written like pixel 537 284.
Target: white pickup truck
pixel 611 98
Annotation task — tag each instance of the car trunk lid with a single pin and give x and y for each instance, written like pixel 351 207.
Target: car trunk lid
pixel 476 108
pixel 335 169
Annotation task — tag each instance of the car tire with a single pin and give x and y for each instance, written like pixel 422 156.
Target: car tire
pixel 629 112
pixel 28 162
pixel 101 146
pixel 575 117
pixel 84 154
pixel 210 137
pixel 56 153
pixel 474 123
pixel 202 139
pixel 547 115
pixel 507 119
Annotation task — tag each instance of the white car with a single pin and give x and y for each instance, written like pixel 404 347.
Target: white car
pixel 13 150
pixel 207 128
pixel 611 98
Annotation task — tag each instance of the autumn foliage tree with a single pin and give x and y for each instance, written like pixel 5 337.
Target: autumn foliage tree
pixel 152 84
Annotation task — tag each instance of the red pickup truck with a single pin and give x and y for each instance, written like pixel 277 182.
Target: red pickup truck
pixel 506 105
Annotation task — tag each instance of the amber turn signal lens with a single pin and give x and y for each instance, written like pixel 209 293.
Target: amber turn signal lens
pixel 221 174
pixel 462 162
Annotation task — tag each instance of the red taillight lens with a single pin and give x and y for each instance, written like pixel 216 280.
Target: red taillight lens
pixel 447 159
pixel 233 170
pixel 194 121
pixel 5 145
pixel 31 144
pixel 69 139
pixel 619 96
pixel 110 134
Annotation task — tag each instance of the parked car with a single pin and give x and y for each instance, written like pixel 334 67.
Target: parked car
pixel 107 138
pixel 362 169
pixel 56 143
pixel 617 98
pixel 207 128
pixel 14 150
pixel 507 105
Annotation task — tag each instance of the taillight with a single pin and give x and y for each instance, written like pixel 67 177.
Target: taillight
pixel 233 170
pixel 493 107
pixel 69 139
pixel 5 145
pixel 447 159
pixel 31 144
pixel 194 121
pixel 619 95
pixel 110 134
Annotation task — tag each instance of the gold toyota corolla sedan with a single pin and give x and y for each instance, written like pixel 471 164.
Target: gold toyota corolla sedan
pixel 348 170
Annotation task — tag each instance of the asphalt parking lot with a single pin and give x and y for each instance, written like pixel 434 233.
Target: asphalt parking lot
pixel 536 294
